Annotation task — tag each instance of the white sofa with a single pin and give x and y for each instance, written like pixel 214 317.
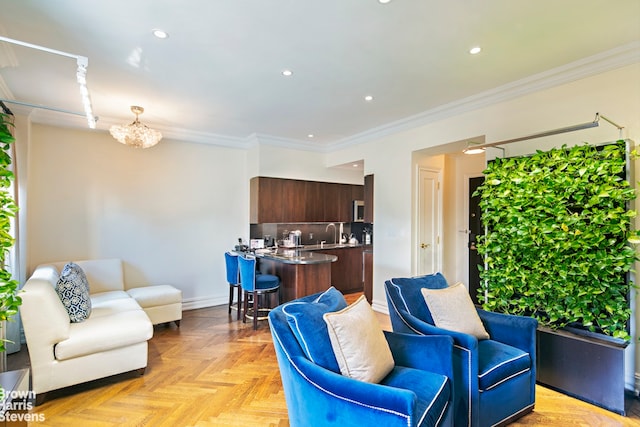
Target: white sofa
pixel 112 340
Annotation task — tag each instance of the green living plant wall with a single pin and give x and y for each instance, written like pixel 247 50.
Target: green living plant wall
pixel 9 299
pixel 559 241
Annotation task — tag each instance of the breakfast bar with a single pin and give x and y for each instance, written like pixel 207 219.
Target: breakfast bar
pixel 301 273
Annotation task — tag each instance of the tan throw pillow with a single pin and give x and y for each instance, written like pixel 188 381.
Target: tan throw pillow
pixel 452 308
pixel 358 342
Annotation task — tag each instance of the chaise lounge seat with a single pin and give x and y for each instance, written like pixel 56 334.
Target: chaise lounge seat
pixel 112 339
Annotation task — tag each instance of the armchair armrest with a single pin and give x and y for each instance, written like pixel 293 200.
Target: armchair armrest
pixel 420 327
pixel 352 402
pixel 516 331
pixel 427 353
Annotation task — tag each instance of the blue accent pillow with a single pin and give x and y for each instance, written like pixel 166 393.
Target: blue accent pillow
pixel 73 289
pixel 409 289
pixel 310 329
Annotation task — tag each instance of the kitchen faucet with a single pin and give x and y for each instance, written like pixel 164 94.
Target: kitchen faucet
pixel 334 232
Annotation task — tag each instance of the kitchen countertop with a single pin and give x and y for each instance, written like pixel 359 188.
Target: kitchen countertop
pixel 329 246
pixel 307 254
pixel 297 256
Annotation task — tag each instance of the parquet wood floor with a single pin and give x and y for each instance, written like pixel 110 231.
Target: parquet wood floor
pixel 216 371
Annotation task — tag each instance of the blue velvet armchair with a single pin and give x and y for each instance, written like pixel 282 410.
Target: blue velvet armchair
pixel 494 379
pixel 417 392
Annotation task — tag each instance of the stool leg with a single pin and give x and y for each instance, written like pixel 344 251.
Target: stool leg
pixel 230 297
pixel 246 306
pixel 239 301
pixel 255 311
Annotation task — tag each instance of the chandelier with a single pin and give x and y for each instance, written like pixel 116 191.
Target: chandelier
pixel 136 134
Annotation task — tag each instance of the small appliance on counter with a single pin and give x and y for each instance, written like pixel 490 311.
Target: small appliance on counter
pixel 256 243
pixel 296 238
pixel 366 236
pixel 241 247
pixel 293 240
pixel 352 239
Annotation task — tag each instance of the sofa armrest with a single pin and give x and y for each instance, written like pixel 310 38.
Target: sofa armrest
pixel 44 318
pixel 516 331
pixel 350 401
pixel 428 353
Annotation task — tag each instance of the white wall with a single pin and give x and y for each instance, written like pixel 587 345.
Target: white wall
pixel 170 211
pixel 280 162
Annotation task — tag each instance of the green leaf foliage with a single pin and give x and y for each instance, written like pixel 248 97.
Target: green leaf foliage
pixel 559 240
pixel 9 299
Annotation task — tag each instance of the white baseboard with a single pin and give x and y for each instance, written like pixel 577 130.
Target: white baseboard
pixel 203 302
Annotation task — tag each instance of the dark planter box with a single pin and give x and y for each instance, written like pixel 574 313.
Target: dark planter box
pixel 584 365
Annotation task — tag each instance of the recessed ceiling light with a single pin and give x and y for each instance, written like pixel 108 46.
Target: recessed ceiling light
pixel 475 50
pixel 310 135
pixel 368 98
pixel 287 73
pixel 161 34
pixel 355 165
pixel 384 1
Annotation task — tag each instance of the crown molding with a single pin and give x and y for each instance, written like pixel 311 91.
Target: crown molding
pixel 5 92
pixel 289 143
pixel 605 61
pixel 204 138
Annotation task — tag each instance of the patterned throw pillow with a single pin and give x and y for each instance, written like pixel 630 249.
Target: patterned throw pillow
pixel 73 290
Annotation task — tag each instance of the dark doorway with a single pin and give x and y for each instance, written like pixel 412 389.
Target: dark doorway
pixel 475 229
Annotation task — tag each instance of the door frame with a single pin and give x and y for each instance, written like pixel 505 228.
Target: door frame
pixel 416 238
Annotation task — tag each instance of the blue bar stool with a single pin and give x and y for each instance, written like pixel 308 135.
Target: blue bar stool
pixel 253 286
pixel 233 278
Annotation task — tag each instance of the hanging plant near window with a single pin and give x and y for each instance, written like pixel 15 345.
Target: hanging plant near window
pixel 559 241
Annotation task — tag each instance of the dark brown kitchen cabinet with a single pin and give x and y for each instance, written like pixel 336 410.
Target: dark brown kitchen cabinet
pixel 368 199
pixel 278 200
pixel 294 200
pixel 347 271
pixel 265 200
pixel 315 196
pixel 357 192
pixel 338 203
pixel 367 259
pixel 331 197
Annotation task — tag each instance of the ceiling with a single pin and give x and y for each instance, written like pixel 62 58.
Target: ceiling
pixel 218 77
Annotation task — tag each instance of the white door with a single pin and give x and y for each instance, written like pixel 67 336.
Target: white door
pixel 429 222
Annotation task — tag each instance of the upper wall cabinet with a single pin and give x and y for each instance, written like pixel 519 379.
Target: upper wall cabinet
pixel 277 200
pixel 315 197
pixel 368 199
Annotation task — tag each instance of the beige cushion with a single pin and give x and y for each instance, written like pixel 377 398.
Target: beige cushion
pixel 156 295
pixel 114 306
pixel 452 308
pixel 101 297
pixel 358 342
pixel 103 333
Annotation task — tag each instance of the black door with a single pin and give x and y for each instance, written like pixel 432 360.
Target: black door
pixel 475 229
